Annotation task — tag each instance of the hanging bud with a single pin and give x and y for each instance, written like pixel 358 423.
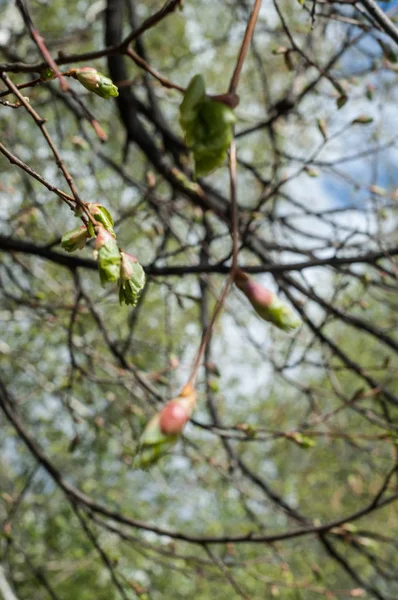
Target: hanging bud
pixel 132 279
pixel 267 304
pixel 102 215
pixel 75 239
pixel 163 430
pixel 108 256
pixel 95 82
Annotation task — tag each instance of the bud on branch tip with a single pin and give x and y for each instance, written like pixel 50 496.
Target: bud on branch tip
pixel 163 430
pixel 267 304
pixel 95 82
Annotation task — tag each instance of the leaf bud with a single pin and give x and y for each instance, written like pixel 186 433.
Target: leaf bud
pixel 163 430
pixel 95 82
pixel 267 304
pixel 46 74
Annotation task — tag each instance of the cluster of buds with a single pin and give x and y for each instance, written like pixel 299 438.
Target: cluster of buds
pixel 95 82
pixel 267 304
pixel 208 126
pixel 113 263
pixel 164 429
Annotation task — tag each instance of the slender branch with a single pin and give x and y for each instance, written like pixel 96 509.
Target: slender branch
pixel 244 48
pixel 39 41
pixel 9 244
pixel 144 65
pixel 60 163
pixel 153 20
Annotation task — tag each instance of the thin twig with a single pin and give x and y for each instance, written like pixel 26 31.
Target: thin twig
pixel 244 48
pixel 60 163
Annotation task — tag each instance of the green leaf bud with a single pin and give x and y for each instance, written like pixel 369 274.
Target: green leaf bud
pixel 95 82
pixel 47 74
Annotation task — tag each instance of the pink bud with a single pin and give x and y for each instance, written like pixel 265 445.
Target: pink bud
pixel 173 418
pixel 103 237
pixel 255 292
pixel 126 269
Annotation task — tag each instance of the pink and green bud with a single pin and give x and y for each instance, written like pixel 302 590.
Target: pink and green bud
pixel 102 215
pixel 108 256
pixel 132 279
pixel 95 82
pixel 164 429
pixel 75 239
pixel 173 417
pixel 267 304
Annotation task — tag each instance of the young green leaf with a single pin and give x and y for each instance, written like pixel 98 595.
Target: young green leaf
pixel 75 239
pixel 108 256
pixel 102 215
pixel 132 279
pixel 208 127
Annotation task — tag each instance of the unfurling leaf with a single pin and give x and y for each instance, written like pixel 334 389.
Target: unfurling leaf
pixel 95 82
pixel 207 125
pixel 267 304
pixel 75 239
pixel 108 256
pixel 102 215
pixel 164 429
pixel 132 279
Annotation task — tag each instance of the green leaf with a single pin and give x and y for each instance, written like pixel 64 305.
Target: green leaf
pixel 75 239
pixel 132 280
pixel 109 262
pixel 102 215
pixel 194 95
pixel 208 126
